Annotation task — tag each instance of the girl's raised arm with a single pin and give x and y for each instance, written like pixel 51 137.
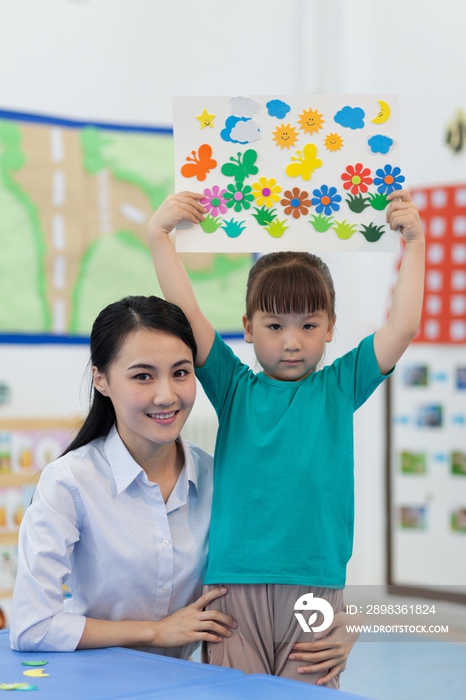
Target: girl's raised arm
pixel 391 341
pixel 175 283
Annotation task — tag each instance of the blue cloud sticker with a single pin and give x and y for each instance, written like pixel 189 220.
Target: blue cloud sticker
pixel 230 124
pixel 350 117
pixel 380 144
pixel 277 108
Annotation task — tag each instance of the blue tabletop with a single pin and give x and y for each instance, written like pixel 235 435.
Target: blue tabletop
pixel 117 674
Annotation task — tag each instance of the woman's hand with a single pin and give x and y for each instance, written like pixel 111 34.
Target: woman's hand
pixel 183 205
pixel 194 624
pixel 330 652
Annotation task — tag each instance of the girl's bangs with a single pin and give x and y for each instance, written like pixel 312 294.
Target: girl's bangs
pixel 290 289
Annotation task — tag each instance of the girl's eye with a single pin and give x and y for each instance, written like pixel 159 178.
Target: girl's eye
pixel 275 327
pixel 308 326
pixel 143 376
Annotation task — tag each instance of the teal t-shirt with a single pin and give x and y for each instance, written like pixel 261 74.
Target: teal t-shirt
pixel 283 504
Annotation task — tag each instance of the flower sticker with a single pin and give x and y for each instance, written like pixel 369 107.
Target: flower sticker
pixel 296 202
pixel 356 178
pixel 266 191
pixel 238 196
pixel 214 201
pixel 326 200
pixel 388 179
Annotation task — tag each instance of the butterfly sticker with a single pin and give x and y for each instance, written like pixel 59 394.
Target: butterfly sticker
pixel 305 164
pixel 241 167
pixel 200 164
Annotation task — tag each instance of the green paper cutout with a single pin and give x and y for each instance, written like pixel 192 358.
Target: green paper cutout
pixel 321 223
pixel 18 686
pixel 357 203
pixel 344 230
pixel 277 228
pixel 34 663
pixel 233 228
pixel 264 216
pixel 378 201
pixel 210 225
pixel 241 167
pixel 372 233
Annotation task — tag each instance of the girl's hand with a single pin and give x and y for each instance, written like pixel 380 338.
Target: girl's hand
pixel 403 214
pixel 329 653
pixel 194 624
pixel 183 205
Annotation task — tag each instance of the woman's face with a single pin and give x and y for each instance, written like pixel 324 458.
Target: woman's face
pixel 152 386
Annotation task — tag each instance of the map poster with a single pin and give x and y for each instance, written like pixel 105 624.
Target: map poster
pixel 75 200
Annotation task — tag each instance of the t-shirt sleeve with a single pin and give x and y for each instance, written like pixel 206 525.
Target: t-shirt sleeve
pixel 220 372
pixel 48 533
pixel 357 373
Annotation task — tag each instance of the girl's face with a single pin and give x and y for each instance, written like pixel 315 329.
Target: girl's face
pixel 152 386
pixel 288 346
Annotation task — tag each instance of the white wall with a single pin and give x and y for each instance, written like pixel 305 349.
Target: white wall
pixel 123 61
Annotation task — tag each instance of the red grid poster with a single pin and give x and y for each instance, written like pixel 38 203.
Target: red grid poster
pixel 443 214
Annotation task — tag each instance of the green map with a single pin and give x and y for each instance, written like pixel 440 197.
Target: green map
pixel 75 201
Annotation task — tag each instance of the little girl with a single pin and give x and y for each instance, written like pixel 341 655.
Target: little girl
pixel 284 452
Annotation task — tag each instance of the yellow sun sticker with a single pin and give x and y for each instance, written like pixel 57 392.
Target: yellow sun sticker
pixel 333 142
pixel 285 136
pixel 311 121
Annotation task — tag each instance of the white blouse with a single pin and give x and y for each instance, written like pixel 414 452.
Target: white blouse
pixel 99 525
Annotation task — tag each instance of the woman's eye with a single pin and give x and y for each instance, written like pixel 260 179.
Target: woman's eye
pixel 181 373
pixel 143 376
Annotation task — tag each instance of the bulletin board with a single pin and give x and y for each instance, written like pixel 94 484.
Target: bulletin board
pixel 26 446
pixel 75 201
pixel 426 471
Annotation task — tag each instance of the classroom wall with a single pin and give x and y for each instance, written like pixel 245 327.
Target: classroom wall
pixel 114 60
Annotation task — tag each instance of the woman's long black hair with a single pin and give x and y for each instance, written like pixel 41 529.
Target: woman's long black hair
pixel 110 329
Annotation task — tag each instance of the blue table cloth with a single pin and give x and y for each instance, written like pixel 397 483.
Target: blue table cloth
pixel 126 674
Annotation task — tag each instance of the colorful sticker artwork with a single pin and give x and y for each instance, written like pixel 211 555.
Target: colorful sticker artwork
pixel 302 172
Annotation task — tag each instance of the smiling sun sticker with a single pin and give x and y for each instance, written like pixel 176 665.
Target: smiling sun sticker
pixel 311 121
pixel 285 136
pixel 333 142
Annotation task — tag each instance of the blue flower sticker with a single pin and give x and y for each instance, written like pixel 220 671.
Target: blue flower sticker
pixel 388 179
pixel 326 200
pixel 277 108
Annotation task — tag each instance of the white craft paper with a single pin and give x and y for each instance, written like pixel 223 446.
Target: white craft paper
pixel 272 162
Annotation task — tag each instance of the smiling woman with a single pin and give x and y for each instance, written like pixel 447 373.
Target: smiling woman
pixel 123 515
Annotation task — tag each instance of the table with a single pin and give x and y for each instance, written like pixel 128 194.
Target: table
pixel 127 674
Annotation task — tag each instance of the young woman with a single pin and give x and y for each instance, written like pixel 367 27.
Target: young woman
pixel 123 515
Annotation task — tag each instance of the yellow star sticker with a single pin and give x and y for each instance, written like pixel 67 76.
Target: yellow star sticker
pixel 206 119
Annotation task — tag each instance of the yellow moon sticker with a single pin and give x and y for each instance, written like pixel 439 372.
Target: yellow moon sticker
pixel 384 113
pixel 36 673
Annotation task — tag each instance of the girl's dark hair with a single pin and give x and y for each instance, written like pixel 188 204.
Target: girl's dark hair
pixel 109 332
pixel 290 283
